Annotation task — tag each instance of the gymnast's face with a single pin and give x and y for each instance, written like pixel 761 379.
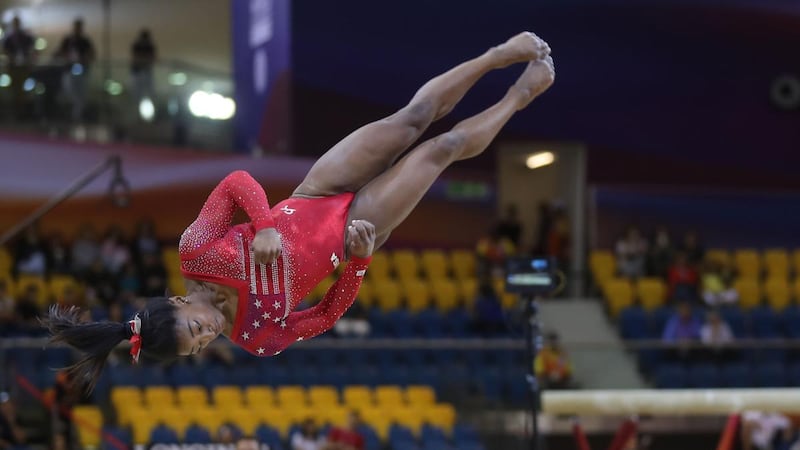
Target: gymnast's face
pixel 197 323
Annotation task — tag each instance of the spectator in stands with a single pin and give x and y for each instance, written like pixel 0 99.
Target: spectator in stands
pixel 545 223
pixel 552 365
pixel 11 434
pixel 29 253
pixel 695 253
pixel 143 58
pixel 682 280
pixel 346 438
pixel 717 285
pixel 510 227
pixel 716 335
pixel 764 430
pixel 145 242
pixel 488 319
pixel 77 54
pixel 492 252
pixel 661 253
pixel 58 257
pixel 6 307
pixel 153 275
pixel 18 47
pixel 227 434
pixel 101 285
pixel 85 250
pixel 115 251
pixel 354 323
pixel 247 443
pixel 308 438
pixel 631 253
pixel 682 328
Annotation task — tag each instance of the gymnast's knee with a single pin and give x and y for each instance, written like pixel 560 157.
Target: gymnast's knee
pixel 448 147
pixel 419 114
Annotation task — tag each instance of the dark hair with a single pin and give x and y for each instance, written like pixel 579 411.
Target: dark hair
pixel 96 340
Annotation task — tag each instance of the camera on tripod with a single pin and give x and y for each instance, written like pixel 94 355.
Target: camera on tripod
pixel 531 275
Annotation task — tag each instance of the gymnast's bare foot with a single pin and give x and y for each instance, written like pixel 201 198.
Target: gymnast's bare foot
pixel 537 78
pixel 523 47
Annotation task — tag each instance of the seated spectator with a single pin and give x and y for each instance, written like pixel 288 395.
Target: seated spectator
pixel 488 319
pixel 247 443
pixel 682 280
pixel 85 250
pixel 346 438
pixel 552 366
pixel 695 253
pixel 765 430
pixel 631 254
pixel 716 335
pixel 717 285
pixel 114 250
pixel 661 253
pixel 354 322
pixel 58 257
pixel 29 253
pixel 492 252
pixel 308 438
pixel 682 328
pixel 11 434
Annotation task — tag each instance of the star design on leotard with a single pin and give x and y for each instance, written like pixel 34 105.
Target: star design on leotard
pixel 283 324
pixel 258 304
pixel 260 350
pixel 276 353
pixel 266 315
pixel 256 324
pixel 277 304
pixel 300 339
pixel 246 336
pixel 276 320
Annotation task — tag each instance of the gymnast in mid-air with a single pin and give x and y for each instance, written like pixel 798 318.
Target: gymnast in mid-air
pixel 245 280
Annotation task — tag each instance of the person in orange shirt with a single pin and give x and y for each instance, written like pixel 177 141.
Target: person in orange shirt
pixel 552 366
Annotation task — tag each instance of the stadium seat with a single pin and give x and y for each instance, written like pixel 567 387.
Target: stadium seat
pixel 777 293
pixel 445 294
pixel 430 324
pixel 434 264
pixel 417 294
pixel 58 284
pixel 142 423
pixel 119 434
pixel 619 295
pixel 24 282
pixel 432 433
pixel 399 323
pixel 400 434
pixel 184 375
pixel 124 399
pixel 719 255
pixel 366 295
pixel 671 376
pixel 371 439
pixel 208 417
pixel 323 286
pixel 796 289
pixel 6 261
pixel 174 418
pixel 602 265
pixel 406 264
pixel 228 397
pixel 92 418
pixel 793 373
pixel 159 396
pixel 736 375
pixel 749 291
pixel 770 375
pixel 357 396
pixel 275 418
pixel 776 263
pixel 387 294
pixel 651 292
pixel 152 375
pixel 163 434
pixel 172 260
pixel 259 396
pixel 704 375
pixel 244 376
pixel 442 415
pixel 747 263
pixel 389 396
pixel 291 395
pixel 270 436
pixel 192 396
pixel 735 318
pixel 764 323
pixel 195 434
pixel 214 375
pixel 244 418
pixel 467 291
pixel 176 285
pixel 407 417
pixel 633 323
pixel 464 264
pixel 790 320
pixel 5 277
pixel 323 396
pixel 379 267
pixel 418 395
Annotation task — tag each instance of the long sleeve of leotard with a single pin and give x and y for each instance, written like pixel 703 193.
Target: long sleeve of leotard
pixel 341 295
pixel 237 190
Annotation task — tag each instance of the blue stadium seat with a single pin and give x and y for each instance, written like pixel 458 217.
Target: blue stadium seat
pixel 428 376
pixel 770 375
pixel 245 376
pixel 399 434
pixel 735 318
pixel 458 322
pixel 121 435
pixel 326 357
pixel 400 323
pixel 242 356
pixel 163 434
pixel 371 439
pixel 793 373
pixel 151 375
pixel 431 433
pixel 404 446
pixel 123 375
pixel 184 375
pixel 378 324
pixel 102 389
pixel 270 436
pixel 471 446
pixel 457 376
pixel 435 445
pixel 633 323
pixel 670 376
pixel 399 375
pixel 430 323
pixel 704 375
pixel 354 357
pixel 197 434
pixel 463 434
pixel 308 375
pixel 366 375
pixel 790 319
pixel 298 357
pixel 215 375
pixel 337 376
pixel 764 323
pixel 737 375
pixel 413 357
pixel 517 389
pixel 274 375
pixel 658 320
pixel 489 380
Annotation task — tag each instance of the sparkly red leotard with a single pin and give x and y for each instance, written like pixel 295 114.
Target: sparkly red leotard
pixel 312 235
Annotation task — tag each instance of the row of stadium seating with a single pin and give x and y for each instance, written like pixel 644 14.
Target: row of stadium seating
pixel 651 293
pixel 733 375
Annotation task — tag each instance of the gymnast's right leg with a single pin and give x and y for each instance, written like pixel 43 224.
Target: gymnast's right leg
pixel 373 148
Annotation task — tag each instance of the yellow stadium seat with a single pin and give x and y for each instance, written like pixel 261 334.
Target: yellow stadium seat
pixel 387 294
pixel 408 417
pixel 6 260
pixel 749 292
pixel 142 423
pixel 176 285
pixel 275 418
pixel 748 264
pixel 244 418
pixel 10 285
pixel 24 282
pixel 159 396
pixel 417 294
pixel 228 397
pixel 366 295
pixel 320 289
pixel 434 264
pixel 651 292
pixel 468 291
pixel 718 255
pixel 420 396
pixel 463 263
pixel 387 396
pixel 171 257
pixel 445 294
pixel 174 418
pixel 291 395
pixel 602 265
pixel 192 396
pixel 619 295
pixel 379 419
pixel 499 285
pixel 259 396
pixel 442 415
pixel 124 400
pixel 796 289
pixel 207 417
pixel 776 263
pixel 796 262
pixel 380 266
pixel 777 293
pixel 299 413
pixel 89 421
pixel 508 300
pixel 60 283
pixel 406 264
pixel 323 396
pixel 355 396
pixel 334 415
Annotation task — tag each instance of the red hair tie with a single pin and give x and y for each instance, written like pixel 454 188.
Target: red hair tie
pixel 136 339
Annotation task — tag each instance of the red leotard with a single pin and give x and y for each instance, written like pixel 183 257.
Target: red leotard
pixel 312 236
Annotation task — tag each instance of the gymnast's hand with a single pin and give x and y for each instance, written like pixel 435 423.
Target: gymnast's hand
pixel 361 238
pixel 266 246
